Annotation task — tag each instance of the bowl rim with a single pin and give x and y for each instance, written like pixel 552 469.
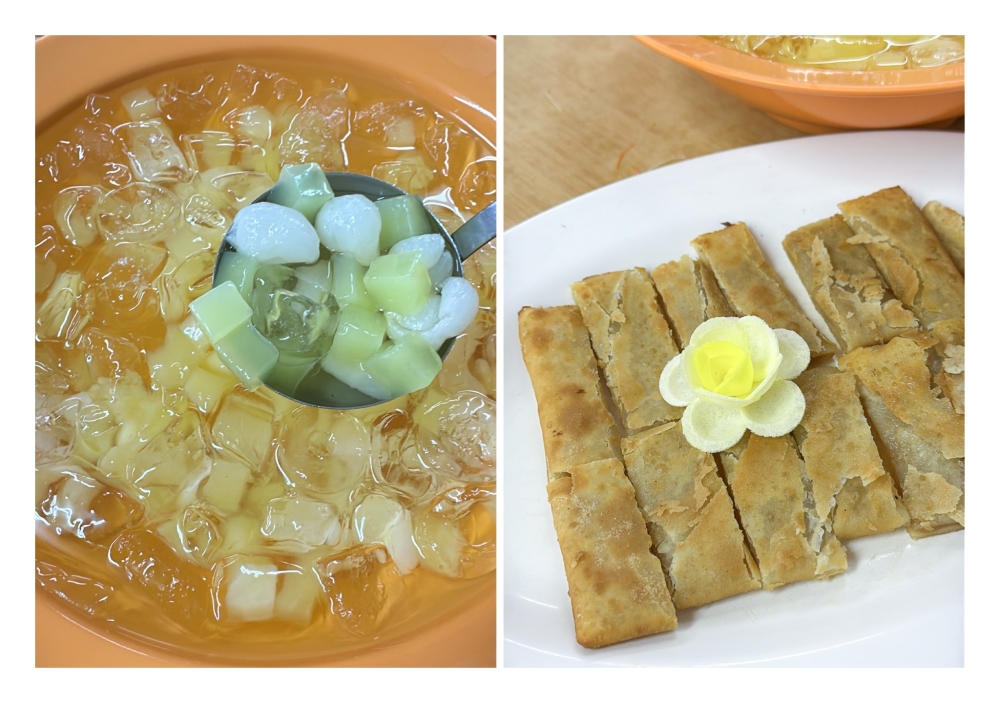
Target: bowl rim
pixel 468 629
pixel 704 55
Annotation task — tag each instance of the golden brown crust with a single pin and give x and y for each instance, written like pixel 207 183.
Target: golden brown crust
pixel 849 483
pixel 690 516
pixel 690 295
pixel 752 287
pixel 908 253
pixel 577 427
pixel 898 372
pixel 931 483
pixel 616 585
pixel 632 342
pixel 947 361
pixel 950 229
pixel 789 540
pixel 845 285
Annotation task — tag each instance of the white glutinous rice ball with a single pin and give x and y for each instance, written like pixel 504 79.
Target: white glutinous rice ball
pixel 274 234
pixel 400 326
pixel 459 305
pixel 350 224
pixel 429 246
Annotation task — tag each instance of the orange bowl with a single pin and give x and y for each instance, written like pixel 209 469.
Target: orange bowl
pixel 455 74
pixel 820 101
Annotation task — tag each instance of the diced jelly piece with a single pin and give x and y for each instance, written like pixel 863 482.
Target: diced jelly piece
pixel 354 375
pixel 323 451
pixel 293 322
pixel 152 152
pixel 459 307
pixel 456 533
pixel 315 281
pixel 239 269
pixel 274 234
pixel 248 354
pixel 289 371
pixel 171 364
pixel 405 366
pixel 140 104
pixel 227 482
pixel 205 389
pixel 251 585
pixel 402 216
pixel 362 584
pixel 429 246
pixel 298 593
pixel 360 333
pixel 399 283
pixel 220 311
pixel 208 149
pixel 381 520
pixel 309 523
pixel 303 187
pixel 74 210
pixel 137 212
pixel 179 587
pixel 411 171
pixel 350 224
pixel 243 425
pixel 348 283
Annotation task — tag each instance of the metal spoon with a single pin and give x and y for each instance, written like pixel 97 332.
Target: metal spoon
pixel 319 388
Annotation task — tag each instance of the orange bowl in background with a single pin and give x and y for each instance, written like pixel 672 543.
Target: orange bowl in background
pixel 819 101
pixel 455 74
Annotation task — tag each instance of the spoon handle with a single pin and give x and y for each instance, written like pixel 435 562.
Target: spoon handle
pixel 479 230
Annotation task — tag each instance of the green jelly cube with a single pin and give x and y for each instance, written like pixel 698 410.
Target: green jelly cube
pixel 315 281
pixel 348 283
pixel 408 365
pixel 399 283
pixel 289 371
pixel 303 187
pixel 360 333
pixel 240 269
pixel 248 354
pixel 220 311
pixel 402 216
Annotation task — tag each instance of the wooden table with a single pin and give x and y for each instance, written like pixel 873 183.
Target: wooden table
pixel 582 112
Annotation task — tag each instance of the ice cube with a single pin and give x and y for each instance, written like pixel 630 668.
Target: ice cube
pixel 253 123
pixel 207 150
pixel 244 425
pixel 184 283
pixel 381 520
pixel 250 585
pixel 84 593
pixel 350 224
pixel 316 132
pixel 110 356
pixel 395 462
pixel 155 572
pixel 456 532
pixel 204 388
pixel 459 306
pixel 429 246
pixel 86 508
pixel 457 436
pixel 294 323
pixel 394 124
pixel 171 457
pixel 74 212
pixel 90 154
pixel 137 212
pixel 478 186
pixel 241 187
pixel 197 532
pixel 189 99
pixel 362 585
pixel 300 523
pixel 450 146
pixel 121 294
pixel 228 481
pixel 274 234
pixel 411 172
pixel 323 451
pixel 152 152
pixel 251 84
pixel 62 315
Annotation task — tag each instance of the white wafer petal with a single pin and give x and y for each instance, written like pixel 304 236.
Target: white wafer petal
pixel 777 412
pixel 795 354
pixel 712 428
pixel 674 386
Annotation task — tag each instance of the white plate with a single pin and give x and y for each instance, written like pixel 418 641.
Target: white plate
pixel 900 603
